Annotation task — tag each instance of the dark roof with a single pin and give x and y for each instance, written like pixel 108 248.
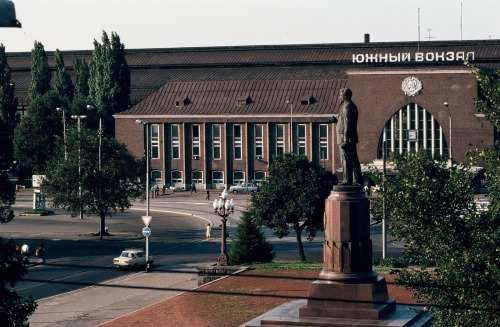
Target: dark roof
pixel 278 73
pixel 268 96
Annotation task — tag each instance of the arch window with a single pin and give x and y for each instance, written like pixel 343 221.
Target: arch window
pixel 238 177
pixel 412 128
pixel 156 177
pixel 197 176
pixel 259 176
pixel 217 177
pixel 176 176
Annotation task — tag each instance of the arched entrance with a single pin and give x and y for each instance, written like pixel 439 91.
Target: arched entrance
pixel 412 128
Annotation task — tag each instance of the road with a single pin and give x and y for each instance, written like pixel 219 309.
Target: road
pixel 76 259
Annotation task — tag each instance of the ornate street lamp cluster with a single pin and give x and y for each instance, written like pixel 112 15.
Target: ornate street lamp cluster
pixel 223 207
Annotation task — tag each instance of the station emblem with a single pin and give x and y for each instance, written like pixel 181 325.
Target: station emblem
pixel 411 86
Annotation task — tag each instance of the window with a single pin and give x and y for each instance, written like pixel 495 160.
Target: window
pixel 238 177
pixel 259 176
pixel 323 141
pixel 237 142
pixel 259 142
pixel 156 177
pixel 217 178
pixel 155 141
pixel 176 142
pixel 216 145
pixel 412 128
pixel 195 134
pixel 197 176
pixel 301 133
pixel 176 177
pixel 280 139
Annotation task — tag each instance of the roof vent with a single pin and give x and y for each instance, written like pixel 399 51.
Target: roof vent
pixel 243 100
pixel 367 38
pixel 306 100
pixel 182 101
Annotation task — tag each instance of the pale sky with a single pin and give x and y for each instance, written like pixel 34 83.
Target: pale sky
pixel 74 24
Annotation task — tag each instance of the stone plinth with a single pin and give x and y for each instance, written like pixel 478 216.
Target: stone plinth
pixel 347 286
pixel 348 291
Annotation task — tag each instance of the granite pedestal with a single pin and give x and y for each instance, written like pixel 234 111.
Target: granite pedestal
pixel 348 291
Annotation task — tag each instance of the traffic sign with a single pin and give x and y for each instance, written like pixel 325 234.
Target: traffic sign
pixel 146 220
pixel 146 231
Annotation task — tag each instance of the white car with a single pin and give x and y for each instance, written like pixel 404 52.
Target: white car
pixel 131 258
pixel 244 188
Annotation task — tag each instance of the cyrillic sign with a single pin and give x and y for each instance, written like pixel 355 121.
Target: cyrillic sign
pixel 419 57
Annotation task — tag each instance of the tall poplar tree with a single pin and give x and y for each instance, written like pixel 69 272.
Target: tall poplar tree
pixel 8 121
pixel 34 138
pixel 82 75
pixel 109 82
pixel 63 85
pixel 8 116
pixel 40 72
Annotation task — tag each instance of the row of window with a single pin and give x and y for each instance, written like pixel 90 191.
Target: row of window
pixel 299 137
pixel 177 177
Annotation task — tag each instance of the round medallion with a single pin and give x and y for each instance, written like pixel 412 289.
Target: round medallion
pixel 411 86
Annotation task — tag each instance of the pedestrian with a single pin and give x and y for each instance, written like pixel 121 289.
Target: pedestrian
pixel 208 194
pixel 209 232
pixel 193 188
pixel 40 249
pixel 25 249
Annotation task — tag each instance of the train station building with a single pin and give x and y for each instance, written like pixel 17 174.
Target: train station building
pixel 217 116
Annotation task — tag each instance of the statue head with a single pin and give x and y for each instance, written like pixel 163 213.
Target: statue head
pixel 345 94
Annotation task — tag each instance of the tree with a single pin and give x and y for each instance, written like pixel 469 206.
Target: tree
pixel 8 117
pixel 293 197
pixel 8 122
pixel 109 82
pixel 82 75
pixel 40 72
pixel 63 85
pixel 35 136
pixel 104 191
pixel 458 249
pixel 250 243
pixel 14 311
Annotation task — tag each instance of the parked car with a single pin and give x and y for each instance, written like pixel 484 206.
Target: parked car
pixel 132 258
pixel 244 188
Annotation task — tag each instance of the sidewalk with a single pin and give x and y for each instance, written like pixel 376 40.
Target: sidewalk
pixel 96 305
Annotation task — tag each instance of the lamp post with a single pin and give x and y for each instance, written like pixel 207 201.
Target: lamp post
pixel 447 105
pixel 384 171
pixel 223 207
pixel 147 218
pixel 64 131
pixel 79 118
pixel 291 123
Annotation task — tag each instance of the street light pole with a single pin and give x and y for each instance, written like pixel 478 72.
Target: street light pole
pixel 446 104
pixel 64 131
pixel 79 118
pixel 146 124
pixel 384 165
pixel 291 125
pixel 223 207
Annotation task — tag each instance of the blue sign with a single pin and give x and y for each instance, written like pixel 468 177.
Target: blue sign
pixel 146 231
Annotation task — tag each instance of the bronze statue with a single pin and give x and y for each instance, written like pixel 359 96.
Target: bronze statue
pixel 347 138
